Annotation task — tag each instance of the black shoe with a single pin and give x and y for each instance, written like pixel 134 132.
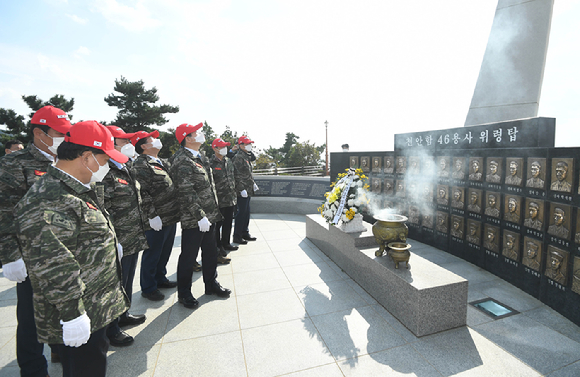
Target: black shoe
pixel 131 320
pixel 248 237
pixel 189 302
pixel 196 267
pixel 223 260
pixel 121 339
pixel 218 290
pixel 167 284
pixel 240 241
pixel 230 247
pixel 156 295
pixel 222 251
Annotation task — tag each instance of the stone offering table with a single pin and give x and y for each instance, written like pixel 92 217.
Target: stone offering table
pixel 426 298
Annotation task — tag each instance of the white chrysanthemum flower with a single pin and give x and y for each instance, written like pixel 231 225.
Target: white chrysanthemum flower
pixel 344 218
pixel 350 202
pixel 354 210
pixel 359 184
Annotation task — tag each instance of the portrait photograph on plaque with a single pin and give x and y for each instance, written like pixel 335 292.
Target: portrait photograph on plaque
pixel 512 208
pixel 494 170
pixel 511 245
pixel 457 227
pixel 377 164
pixel 389 165
pixel 492 204
pixel 562 174
pixel 534 214
pixel 389 186
pixel 532 253
pixel 491 238
pixel 474 232
pixel 514 172
pixel 457 198
pixel 476 169
pixel 536 174
pixel 365 164
pixel 557 265
pixel 458 168
pixel 353 162
pixel 414 165
pixel 474 200
pixel 443 195
pixel 401 165
pixel 443 163
pixel 559 221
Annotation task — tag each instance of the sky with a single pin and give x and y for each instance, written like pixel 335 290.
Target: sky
pixel 370 68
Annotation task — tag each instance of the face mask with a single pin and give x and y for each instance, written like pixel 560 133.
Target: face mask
pixel 99 174
pixel 223 151
pixel 56 141
pixel 157 144
pixel 249 148
pixel 128 150
pixel 200 138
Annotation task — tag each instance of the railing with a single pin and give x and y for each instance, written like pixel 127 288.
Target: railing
pixel 300 170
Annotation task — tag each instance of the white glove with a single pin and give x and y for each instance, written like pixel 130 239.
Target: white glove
pixel 204 224
pixel 256 188
pixel 15 271
pixel 120 251
pixel 244 194
pixel 155 223
pixel 76 332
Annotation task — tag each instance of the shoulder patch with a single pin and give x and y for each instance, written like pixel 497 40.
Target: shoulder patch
pixel 39 173
pixel 91 206
pixel 55 218
pixel 122 181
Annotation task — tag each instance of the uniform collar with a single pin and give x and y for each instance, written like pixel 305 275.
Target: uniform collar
pixel 117 164
pixel 39 154
pixel 69 180
pixel 193 152
pixel 156 159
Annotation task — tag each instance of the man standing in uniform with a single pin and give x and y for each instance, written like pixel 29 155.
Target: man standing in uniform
pixel 13 146
pixel 160 207
pixel 71 251
pixel 18 172
pixel 245 187
pixel 123 202
pixel 225 185
pixel 195 193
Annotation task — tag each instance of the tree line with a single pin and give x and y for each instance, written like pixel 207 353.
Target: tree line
pixel 137 110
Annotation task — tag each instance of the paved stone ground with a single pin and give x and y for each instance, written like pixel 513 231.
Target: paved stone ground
pixel 294 312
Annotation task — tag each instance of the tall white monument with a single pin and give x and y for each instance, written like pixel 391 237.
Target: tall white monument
pixel 510 78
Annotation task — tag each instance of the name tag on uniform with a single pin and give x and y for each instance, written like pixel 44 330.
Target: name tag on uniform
pixel 158 167
pixel 122 181
pixel 39 173
pixel 217 168
pixel 91 206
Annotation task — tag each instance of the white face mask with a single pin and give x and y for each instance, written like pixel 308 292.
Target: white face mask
pixel 248 147
pixel 200 138
pixel 56 141
pixel 223 151
pixel 99 174
pixel 157 144
pixel 128 150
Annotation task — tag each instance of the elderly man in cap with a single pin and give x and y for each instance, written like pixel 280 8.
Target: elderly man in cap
pixel 123 203
pixel 72 253
pixel 225 185
pixel 199 210
pixel 245 187
pixel 18 172
pixel 160 207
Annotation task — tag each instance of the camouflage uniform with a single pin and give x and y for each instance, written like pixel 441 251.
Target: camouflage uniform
pixel 18 172
pixel 195 189
pixel 223 174
pixel 243 173
pixel 69 247
pixel 196 195
pixel 123 202
pixel 225 185
pixel 157 191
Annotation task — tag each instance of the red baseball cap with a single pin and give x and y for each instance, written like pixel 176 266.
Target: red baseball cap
pixel 218 142
pixel 244 140
pixel 143 135
pixel 118 133
pixel 52 117
pixel 91 133
pixel 185 129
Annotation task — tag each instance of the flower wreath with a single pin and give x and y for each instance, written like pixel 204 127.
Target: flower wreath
pixel 347 197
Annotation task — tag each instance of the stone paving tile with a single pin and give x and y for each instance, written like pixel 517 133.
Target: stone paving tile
pixel 297 256
pixel 310 274
pixel 284 348
pixel 266 308
pixel 133 361
pixel 329 370
pixel 531 342
pixel 399 361
pixel 255 262
pixel 572 370
pixel 554 320
pixel 260 281
pixel 356 332
pixel 328 297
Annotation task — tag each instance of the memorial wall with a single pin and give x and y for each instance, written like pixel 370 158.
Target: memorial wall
pixel 500 196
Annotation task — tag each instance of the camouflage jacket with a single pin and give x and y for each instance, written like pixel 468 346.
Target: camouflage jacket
pixel 243 173
pixel 225 186
pixel 70 250
pixel 195 189
pixel 157 191
pixel 123 202
pixel 18 172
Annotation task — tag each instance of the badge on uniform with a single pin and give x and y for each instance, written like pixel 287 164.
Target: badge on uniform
pixel 39 173
pixel 217 168
pixel 158 167
pixel 198 165
pixel 122 181
pixel 91 206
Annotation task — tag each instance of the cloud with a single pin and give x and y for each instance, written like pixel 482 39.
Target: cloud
pixel 135 19
pixel 77 19
pixel 81 51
